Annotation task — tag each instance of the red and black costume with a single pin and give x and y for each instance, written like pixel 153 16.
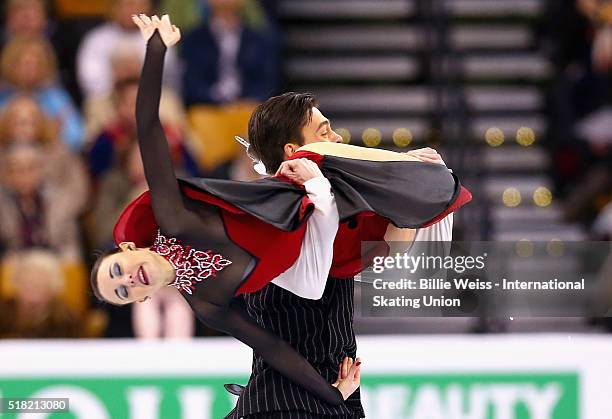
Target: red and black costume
pixel 258 226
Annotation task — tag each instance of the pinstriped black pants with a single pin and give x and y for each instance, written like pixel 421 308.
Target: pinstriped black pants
pixel 321 331
pixel 295 415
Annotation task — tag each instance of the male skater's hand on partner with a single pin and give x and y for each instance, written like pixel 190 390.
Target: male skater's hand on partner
pixel 349 377
pixel 299 170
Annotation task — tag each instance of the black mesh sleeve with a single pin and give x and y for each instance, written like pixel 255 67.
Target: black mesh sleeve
pixel 274 351
pixel 159 172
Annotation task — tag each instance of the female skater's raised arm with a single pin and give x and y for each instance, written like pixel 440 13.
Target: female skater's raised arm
pixel 159 171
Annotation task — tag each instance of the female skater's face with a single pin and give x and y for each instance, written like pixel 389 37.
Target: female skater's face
pixel 132 275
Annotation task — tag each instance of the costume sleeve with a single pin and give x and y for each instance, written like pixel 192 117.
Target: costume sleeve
pixel 274 351
pixel 308 275
pixel 165 193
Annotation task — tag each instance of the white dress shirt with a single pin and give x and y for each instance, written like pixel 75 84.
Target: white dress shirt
pixel 308 275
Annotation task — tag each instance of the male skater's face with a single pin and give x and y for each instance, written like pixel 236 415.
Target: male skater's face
pixel 316 131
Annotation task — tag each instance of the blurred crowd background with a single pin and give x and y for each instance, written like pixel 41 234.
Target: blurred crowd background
pixel 515 94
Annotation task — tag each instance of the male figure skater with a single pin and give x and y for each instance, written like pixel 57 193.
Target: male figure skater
pixel 321 330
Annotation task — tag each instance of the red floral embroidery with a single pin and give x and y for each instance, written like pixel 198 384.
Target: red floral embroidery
pixel 191 265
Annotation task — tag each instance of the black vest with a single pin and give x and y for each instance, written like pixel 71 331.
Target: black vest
pixel 320 330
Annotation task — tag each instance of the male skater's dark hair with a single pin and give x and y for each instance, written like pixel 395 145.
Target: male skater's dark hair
pixel 276 122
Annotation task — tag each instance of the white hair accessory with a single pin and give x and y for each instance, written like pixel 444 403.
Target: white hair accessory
pixel 258 165
pixel 260 168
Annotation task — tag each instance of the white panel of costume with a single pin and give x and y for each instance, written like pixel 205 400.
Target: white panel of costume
pixel 308 275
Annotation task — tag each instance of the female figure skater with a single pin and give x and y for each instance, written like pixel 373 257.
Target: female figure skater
pixel 214 240
pixel 191 245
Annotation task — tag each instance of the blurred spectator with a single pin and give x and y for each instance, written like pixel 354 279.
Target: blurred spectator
pixel 28 65
pixel 166 315
pixel 126 64
pixel 112 146
pixel 23 122
pixel 187 14
pixel 602 227
pixel 229 59
pixel 602 297
pixel 73 19
pixel 232 64
pixel 602 50
pixel 79 9
pixel 118 188
pixel 34 211
pixel 581 105
pixel 94 64
pixel 599 12
pixel 36 309
pixel 25 18
pixel 30 18
pixel 271 7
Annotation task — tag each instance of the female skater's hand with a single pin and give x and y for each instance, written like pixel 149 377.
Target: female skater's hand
pixel 349 377
pixel 299 170
pixel 170 34
pixel 427 155
pixel 145 24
